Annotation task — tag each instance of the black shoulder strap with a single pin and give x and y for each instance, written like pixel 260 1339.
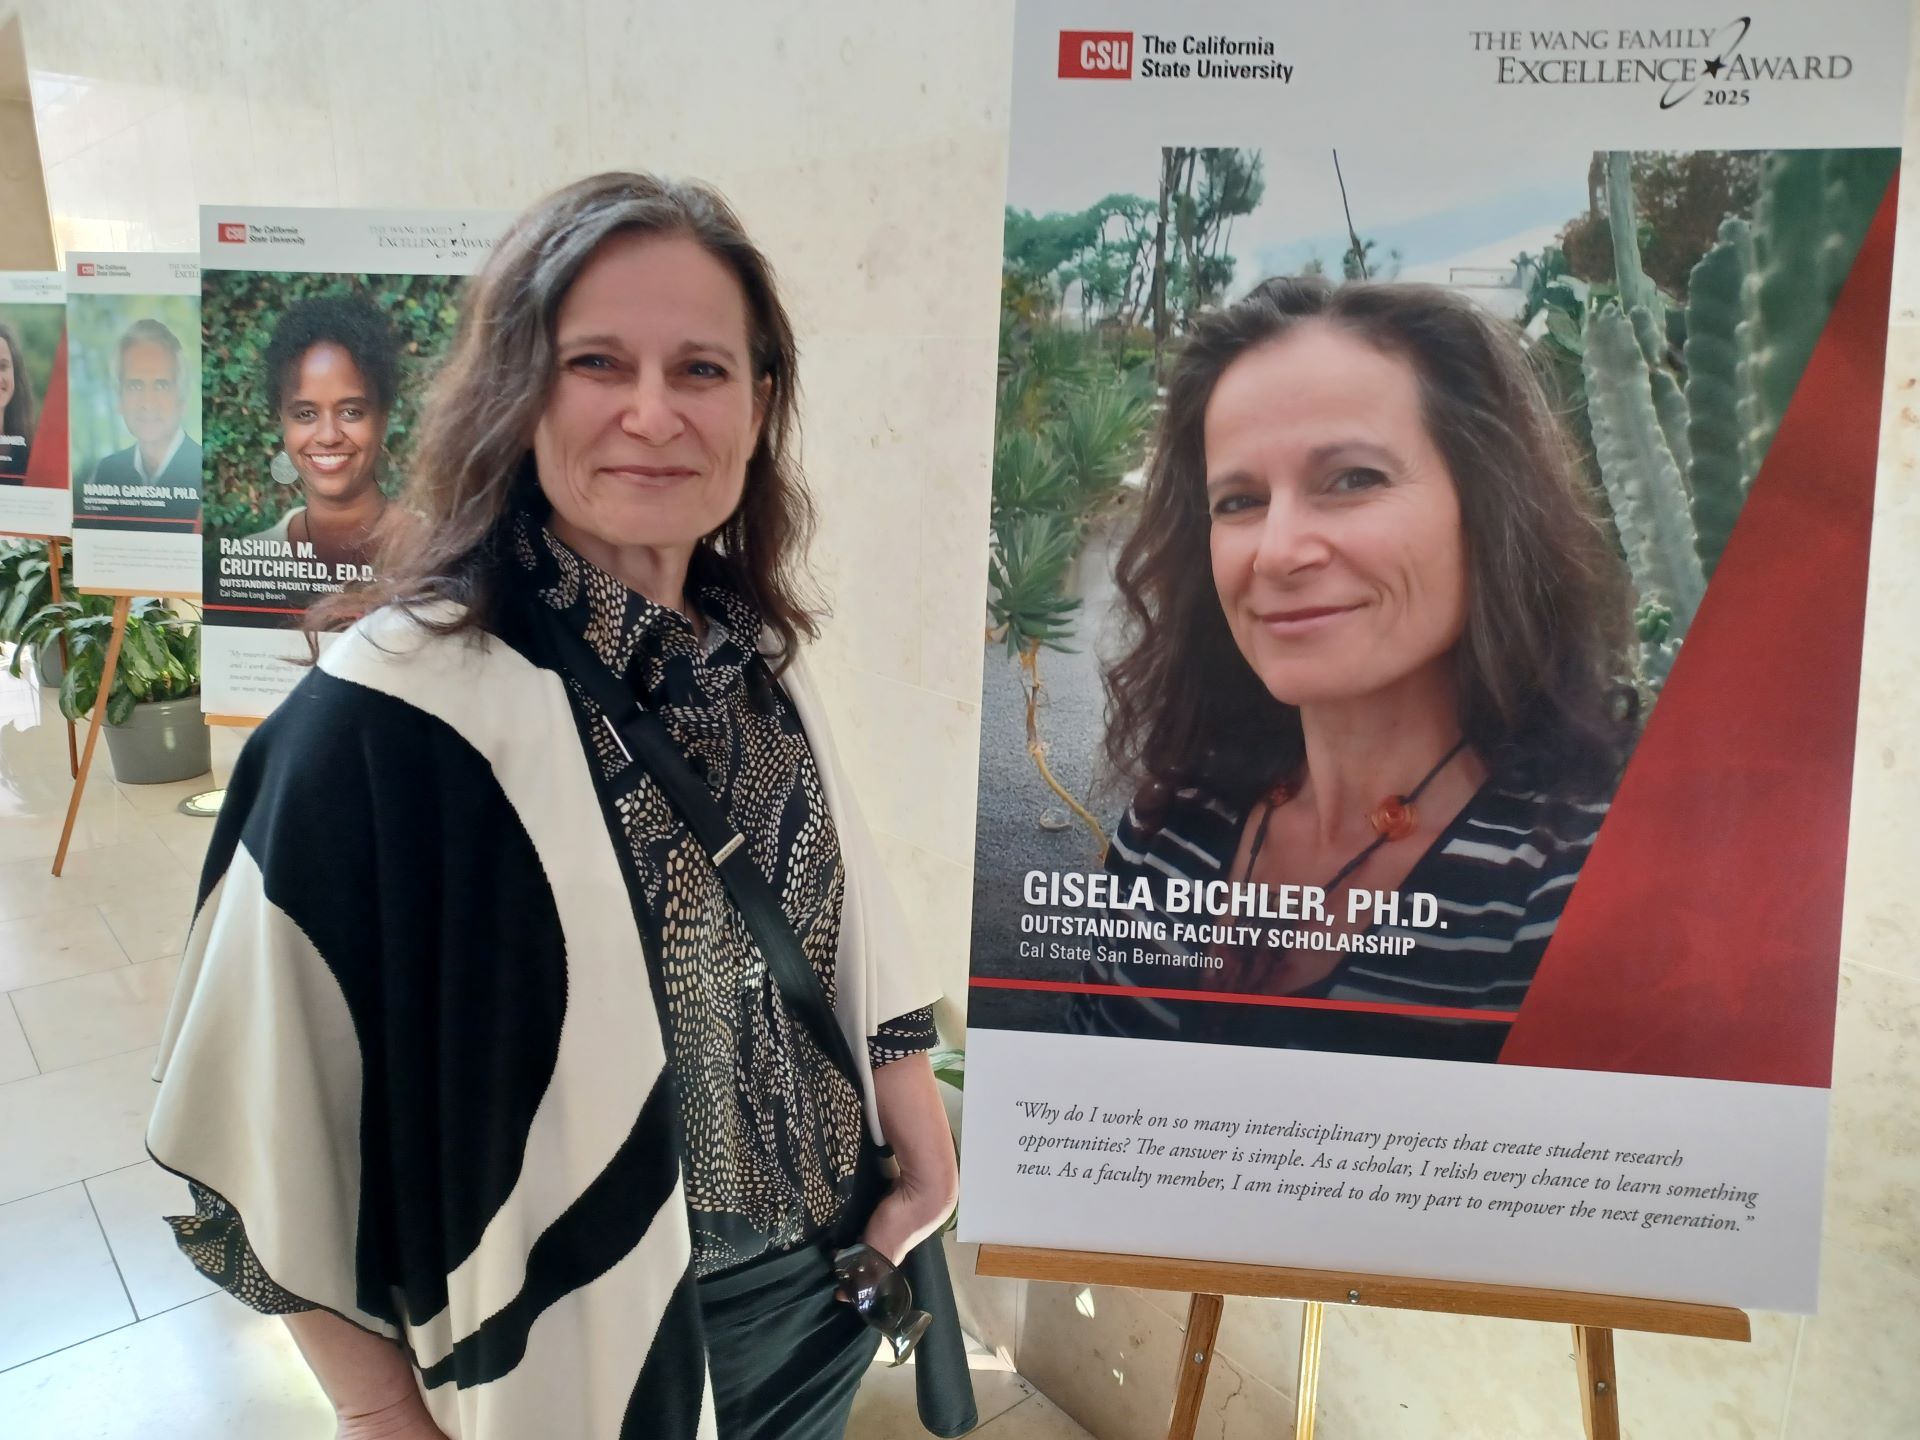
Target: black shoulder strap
pixel 643 739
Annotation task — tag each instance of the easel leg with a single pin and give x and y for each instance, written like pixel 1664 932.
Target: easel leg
pixel 1306 1391
pixel 53 579
pixel 120 608
pixel 1196 1361
pixel 1599 1391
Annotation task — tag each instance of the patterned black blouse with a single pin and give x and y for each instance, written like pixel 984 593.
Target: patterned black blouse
pixel 772 1128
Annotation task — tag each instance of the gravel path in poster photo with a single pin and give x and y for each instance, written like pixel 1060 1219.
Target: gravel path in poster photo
pixel 1013 797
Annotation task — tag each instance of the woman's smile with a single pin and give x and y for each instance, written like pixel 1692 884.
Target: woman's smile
pixel 1303 620
pixel 651 477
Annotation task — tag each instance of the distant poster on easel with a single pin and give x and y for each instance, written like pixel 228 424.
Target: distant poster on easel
pixel 1432 484
pixel 33 404
pixel 321 329
pixel 133 378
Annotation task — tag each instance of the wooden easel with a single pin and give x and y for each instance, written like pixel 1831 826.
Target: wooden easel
pixel 1594 1317
pixel 54 559
pixel 122 606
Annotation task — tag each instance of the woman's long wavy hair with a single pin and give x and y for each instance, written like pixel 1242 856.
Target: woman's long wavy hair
pixel 1541 664
pixel 20 413
pixel 474 467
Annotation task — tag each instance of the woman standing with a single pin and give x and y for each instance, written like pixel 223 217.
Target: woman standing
pixel 480 1045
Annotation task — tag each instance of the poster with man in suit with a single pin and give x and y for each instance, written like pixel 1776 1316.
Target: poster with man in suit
pixel 134 375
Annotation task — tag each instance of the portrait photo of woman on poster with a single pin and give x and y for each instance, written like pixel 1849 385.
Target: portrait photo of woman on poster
pixel 1379 641
pixel 1359 578
pixel 17 408
pixel 332 373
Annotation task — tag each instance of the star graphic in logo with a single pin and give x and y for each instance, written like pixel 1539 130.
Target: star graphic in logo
pixel 1715 66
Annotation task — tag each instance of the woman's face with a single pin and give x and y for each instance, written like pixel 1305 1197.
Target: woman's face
pixel 653 413
pixel 1336 540
pixel 6 374
pixel 330 427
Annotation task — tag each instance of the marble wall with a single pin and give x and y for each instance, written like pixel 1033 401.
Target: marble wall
pixel 26 234
pixel 864 143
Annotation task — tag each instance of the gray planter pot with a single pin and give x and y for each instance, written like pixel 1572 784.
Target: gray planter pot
pixel 49 665
pixel 162 740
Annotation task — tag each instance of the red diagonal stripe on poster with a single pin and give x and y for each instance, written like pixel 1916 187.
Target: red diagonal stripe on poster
pixel 47 463
pixel 1703 938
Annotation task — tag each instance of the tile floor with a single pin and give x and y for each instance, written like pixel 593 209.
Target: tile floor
pixel 105 1331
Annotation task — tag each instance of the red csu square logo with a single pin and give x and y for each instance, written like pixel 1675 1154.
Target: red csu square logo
pixel 85 267
pixel 233 232
pixel 1096 54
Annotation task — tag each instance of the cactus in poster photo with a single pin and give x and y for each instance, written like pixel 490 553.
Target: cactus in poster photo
pixel 1637 466
pixel 1721 404
pixel 1677 445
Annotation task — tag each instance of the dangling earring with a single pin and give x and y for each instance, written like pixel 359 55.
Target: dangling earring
pixel 282 471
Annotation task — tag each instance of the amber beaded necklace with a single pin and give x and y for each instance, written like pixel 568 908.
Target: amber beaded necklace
pixel 1394 818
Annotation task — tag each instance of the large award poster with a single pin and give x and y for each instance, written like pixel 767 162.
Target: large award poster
pixel 1432 485
pixel 133 380
pixel 320 330
pixel 34 499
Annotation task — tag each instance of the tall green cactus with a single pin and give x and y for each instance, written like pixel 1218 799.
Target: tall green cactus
pixel 1642 478
pixel 1623 222
pixel 1676 462
pixel 1813 212
pixel 1645 306
pixel 1720 397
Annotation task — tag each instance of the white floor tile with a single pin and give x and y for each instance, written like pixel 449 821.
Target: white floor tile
pixel 34 837
pixel 118 874
pixel 35 831
pixel 57 946
pixel 186 836
pixel 58 1285
pixel 165 799
pixel 90 1017
pixel 1035 1419
pixel 16 1056
pixel 131 1204
pixel 212 1370
pixel 152 924
pixel 887 1406
pixel 85 1120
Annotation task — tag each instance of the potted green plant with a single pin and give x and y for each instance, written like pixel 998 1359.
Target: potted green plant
pixel 155 731
pixel 26 587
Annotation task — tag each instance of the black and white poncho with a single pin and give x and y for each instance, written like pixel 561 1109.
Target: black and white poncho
pixel 415 1047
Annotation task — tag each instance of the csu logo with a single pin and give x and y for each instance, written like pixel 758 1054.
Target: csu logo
pixel 233 232
pixel 84 267
pixel 1096 54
